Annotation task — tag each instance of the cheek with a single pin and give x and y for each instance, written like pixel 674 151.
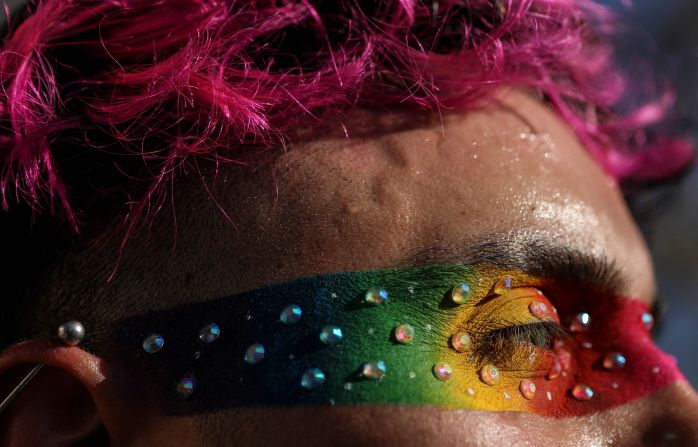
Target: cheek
pixel 607 363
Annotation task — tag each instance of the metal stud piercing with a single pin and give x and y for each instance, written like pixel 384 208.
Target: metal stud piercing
pixel 71 333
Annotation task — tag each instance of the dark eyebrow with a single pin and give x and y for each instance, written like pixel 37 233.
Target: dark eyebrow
pixel 531 255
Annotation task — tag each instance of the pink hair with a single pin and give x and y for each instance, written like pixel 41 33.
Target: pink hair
pixel 156 83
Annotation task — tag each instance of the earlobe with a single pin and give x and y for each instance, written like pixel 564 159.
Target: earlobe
pixel 59 406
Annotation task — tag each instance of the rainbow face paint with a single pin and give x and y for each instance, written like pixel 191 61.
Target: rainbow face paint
pixel 451 336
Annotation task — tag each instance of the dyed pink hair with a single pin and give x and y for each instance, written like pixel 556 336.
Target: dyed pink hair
pixel 154 84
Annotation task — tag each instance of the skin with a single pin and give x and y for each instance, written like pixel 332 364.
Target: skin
pixel 403 182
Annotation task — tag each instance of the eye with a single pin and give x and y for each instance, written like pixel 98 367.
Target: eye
pixel 519 347
pixel 516 330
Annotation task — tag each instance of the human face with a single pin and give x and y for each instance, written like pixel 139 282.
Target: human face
pixel 403 189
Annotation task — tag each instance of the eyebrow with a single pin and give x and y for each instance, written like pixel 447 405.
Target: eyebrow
pixel 532 255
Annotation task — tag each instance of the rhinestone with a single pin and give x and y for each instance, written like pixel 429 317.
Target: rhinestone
pixel 581 322
pixel 503 285
pixel 614 385
pixel 404 334
pixel 209 333
pixel 331 335
pixel 442 371
pixel 587 345
pixel 460 294
pixel 412 374
pixel 290 314
pixel 648 320
pixel 376 296
pixel 527 388
pixel 549 395
pixel 506 395
pixel 374 370
pixel 489 374
pixel 555 370
pixel 565 359
pixel 254 354
pixel 153 343
pixel 461 342
pixel 186 386
pixel 471 391
pixel 614 360
pixel 582 392
pixel 655 370
pixel 539 310
pixel 312 378
pixel 71 333
pixel 348 386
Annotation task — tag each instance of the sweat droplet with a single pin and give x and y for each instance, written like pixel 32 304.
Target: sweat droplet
pixel 404 334
pixel 312 378
pixel 209 333
pixel 461 342
pixel 442 371
pixel 186 386
pixel 489 374
pixel 580 322
pixel 153 343
pixel 527 388
pixel 374 370
pixel 614 360
pixel 291 314
pixel 331 335
pixel 254 354
pixel 460 294
pixel 582 392
pixel 376 296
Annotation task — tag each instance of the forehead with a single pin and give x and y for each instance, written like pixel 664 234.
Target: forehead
pixel 512 169
pixel 397 185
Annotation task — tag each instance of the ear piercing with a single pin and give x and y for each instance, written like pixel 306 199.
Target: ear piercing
pixel 71 333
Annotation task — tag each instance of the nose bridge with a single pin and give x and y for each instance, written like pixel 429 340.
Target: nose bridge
pixel 672 418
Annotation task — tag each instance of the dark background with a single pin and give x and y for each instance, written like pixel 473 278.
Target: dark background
pixel 672 26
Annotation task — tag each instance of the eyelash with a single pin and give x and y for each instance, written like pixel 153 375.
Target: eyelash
pixel 509 347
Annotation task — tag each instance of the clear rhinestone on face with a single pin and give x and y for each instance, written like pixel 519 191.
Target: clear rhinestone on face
pixel 153 343
pixel 312 378
pixel 647 320
pixel 291 314
pixel 186 386
pixel 460 294
pixel 331 335
pixel 503 285
pixel 582 392
pixel 254 354
pixel 461 342
pixel 527 389
pixel 614 360
pixel 209 333
pixel 404 334
pixel 374 370
pixel 580 322
pixel 376 296
pixel 442 371
pixel 489 374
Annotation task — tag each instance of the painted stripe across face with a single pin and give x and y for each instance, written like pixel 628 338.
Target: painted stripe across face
pixel 451 336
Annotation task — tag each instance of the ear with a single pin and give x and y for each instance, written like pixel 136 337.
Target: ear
pixel 59 406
